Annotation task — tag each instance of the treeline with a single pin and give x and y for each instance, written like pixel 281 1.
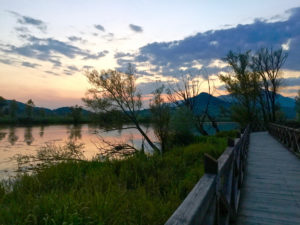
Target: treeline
pixel 13 112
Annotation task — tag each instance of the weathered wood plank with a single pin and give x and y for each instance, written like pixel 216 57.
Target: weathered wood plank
pixel 271 191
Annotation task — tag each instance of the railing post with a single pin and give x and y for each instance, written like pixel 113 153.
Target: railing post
pixel 210 164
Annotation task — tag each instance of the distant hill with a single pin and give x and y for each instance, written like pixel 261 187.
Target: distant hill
pixel 287 104
pixel 62 111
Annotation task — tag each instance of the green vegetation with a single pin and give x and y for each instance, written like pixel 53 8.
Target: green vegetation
pixel 140 189
pixel 254 83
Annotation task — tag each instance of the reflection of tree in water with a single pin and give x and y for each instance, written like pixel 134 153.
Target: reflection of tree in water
pixel 12 137
pixel 2 135
pixel 74 132
pixel 42 131
pixel 28 138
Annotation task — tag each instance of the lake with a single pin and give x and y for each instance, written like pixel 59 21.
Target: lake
pixel 26 140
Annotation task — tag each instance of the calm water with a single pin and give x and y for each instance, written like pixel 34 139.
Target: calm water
pixel 26 140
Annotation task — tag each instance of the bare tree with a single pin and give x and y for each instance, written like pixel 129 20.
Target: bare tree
pixel 267 63
pixel 114 90
pixel 185 93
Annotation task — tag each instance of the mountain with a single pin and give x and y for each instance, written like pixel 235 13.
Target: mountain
pixel 287 104
pixel 62 111
pixel 215 104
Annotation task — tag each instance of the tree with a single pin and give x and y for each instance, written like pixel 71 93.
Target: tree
pixel 185 93
pixel 114 90
pixel 13 108
pixel 297 105
pixel 243 84
pixel 29 108
pixel 161 118
pixel 76 113
pixel 267 63
pixel 2 104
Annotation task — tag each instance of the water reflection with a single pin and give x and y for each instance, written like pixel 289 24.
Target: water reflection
pixel 12 137
pixel 42 131
pixel 2 135
pixel 28 138
pixel 74 132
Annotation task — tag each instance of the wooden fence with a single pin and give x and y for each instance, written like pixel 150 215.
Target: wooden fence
pixel 215 198
pixel 290 137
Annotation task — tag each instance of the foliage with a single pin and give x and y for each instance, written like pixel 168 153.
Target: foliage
pixel 76 113
pixel 138 190
pixel 254 83
pixel 29 108
pixel 243 84
pixel 13 108
pixel 161 116
pixel 50 154
pixel 182 126
pixel 114 90
pixel 297 105
pixel 2 105
pixel 267 64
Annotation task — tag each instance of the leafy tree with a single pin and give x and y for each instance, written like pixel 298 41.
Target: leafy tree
pixel 13 108
pixel 114 90
pixel 29 108
pixel 76 113
pixel 267 63
pixel 2 104
pixel 161 118
pixel 243 84
pixel 297 106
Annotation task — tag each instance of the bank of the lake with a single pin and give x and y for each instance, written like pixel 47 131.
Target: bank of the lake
pixel 142 189
pixel 27 139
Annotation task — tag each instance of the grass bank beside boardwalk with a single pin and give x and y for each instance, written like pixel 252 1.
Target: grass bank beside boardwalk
pixel 138 190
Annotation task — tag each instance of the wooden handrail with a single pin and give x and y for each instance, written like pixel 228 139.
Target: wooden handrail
pixel 288 136
pixel 215 198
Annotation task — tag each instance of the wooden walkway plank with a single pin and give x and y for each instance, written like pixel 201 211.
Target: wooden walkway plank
pixel 271 191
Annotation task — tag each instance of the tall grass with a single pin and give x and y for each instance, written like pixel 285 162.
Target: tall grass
pixel 138 190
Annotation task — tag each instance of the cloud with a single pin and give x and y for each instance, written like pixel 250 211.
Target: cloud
pixel 122 54
pixel 49 49
pixel 51 72
pixel 31 65
pixel 75 39
pixel 73 68
pixel 99 27
pixel 207 47
pixel 136 28
pixel 108 37
pixel 290 82
pixel 22 29
pixel 96 56
pixel 68 72
pixel 26 20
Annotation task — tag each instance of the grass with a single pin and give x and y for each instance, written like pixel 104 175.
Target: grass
pixel 138 190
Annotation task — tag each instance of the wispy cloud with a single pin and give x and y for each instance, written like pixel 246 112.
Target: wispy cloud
pixel 77 39
pixel 49 49
pixel 26 20
pixel 31 65
pixel 136 28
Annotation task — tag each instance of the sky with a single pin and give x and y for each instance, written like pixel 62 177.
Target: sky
pixel 46 46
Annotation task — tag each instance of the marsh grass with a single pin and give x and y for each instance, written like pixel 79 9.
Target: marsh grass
pixel 138 190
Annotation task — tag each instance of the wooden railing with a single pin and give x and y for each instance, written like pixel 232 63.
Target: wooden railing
pixel 290 137
pixel 215 198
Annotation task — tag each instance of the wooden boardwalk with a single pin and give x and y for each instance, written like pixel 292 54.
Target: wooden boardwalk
pixel 271 190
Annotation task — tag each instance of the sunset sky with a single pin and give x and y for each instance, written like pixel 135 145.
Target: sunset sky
pixel 45 46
